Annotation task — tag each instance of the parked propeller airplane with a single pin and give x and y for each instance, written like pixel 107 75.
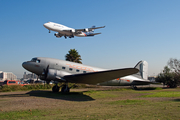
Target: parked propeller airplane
pixel 64 71
pixel 70 32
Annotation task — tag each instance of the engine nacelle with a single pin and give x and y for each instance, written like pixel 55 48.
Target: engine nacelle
pixel 56 74
pixel 86 30
pixel 58 35
pixel 72 31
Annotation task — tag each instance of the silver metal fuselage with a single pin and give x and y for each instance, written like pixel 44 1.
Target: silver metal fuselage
pixel 39 64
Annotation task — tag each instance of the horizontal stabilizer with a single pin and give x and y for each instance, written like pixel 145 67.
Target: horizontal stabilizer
pixel 143 82
pixel 98 77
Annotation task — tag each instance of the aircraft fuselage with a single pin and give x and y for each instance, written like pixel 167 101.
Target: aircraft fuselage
pixel 39 65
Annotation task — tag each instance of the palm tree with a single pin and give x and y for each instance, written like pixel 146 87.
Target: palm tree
pixel 73 56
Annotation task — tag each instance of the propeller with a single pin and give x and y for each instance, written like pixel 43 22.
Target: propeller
pixel 37 77
pixel 45 72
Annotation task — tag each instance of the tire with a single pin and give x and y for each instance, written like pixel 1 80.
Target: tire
pixel 55 89
pixel 64 89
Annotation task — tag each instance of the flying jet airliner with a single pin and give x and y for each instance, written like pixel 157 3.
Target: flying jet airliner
pixel 70 32
pixel 64 71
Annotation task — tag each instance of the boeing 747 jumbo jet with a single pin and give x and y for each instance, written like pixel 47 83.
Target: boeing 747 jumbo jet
pixel 64 71
pixel 70 32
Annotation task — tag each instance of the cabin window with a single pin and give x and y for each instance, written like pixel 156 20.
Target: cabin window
pixel 70 69
pixel 63 67
pixel 77 70
pixel 84 71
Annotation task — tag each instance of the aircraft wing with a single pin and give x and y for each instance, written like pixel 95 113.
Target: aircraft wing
pixel 90 29
pixel 96 28
pixel 101 76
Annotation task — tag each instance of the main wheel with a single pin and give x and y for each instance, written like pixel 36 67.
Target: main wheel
pixel 55 88
pixel 65 89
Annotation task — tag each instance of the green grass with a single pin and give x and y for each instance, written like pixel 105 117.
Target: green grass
pixel 163 94
pixel 116 104
pixel 99 94
pixel 26 114
pixel 128 102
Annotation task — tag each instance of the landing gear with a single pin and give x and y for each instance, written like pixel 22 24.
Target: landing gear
pixel 134 87
pixel 65 89
pixel 71 36
pixel 55 88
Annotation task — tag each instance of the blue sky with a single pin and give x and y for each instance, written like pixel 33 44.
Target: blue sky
pixel 135 30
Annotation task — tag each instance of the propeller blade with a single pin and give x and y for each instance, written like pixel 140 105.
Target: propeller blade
pixel 45 72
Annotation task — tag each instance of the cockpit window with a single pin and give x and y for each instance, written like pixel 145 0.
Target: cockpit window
pixel 36 60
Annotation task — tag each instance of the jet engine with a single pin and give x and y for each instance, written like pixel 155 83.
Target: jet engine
pixel 58 35
pixel 86 30
pixel 72 31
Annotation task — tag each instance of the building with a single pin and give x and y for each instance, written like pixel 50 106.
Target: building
pixel 7 76
pixel 29 76
pixel 152 78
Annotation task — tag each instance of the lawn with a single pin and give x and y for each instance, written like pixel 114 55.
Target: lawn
pixel 152 104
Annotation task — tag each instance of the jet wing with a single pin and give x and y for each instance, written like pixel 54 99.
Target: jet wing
pixel 90 29
pixel 96 28
pixel 101 76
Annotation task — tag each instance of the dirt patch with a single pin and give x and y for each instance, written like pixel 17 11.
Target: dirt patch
pixel 40 99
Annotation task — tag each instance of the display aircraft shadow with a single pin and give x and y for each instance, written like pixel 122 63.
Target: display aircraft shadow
pixel 176 100
pixel 71 96
pixel 148 88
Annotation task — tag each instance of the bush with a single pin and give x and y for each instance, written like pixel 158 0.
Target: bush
pixel 169 78
pixel 7 88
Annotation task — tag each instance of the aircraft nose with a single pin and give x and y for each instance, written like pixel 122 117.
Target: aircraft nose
pixel 45 25
pixel 32 67
pixel 25 65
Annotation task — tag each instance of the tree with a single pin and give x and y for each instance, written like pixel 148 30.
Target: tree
pixel 73 56
pixel 174 65
pixel 165 76
pixel 170 75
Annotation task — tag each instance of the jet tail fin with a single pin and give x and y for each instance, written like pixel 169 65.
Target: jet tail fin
pixel 142 66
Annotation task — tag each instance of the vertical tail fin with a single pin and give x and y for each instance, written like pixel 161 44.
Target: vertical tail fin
pixel 142 66
pixel 92 28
